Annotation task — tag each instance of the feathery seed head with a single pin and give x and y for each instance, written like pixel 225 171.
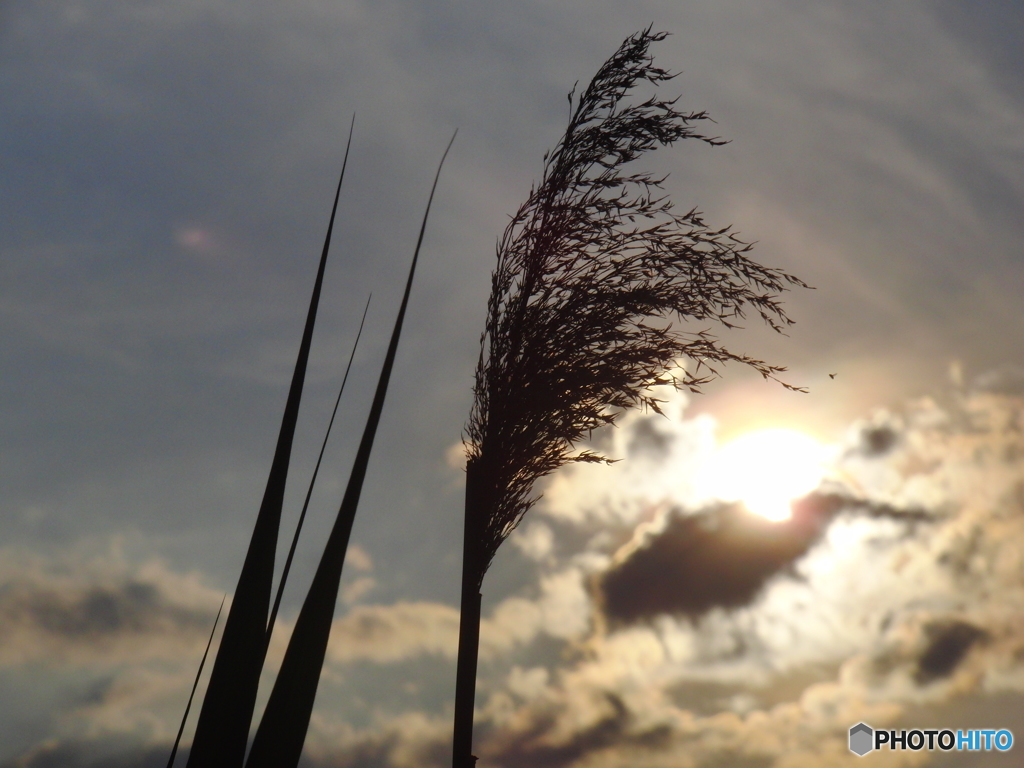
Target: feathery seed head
pixel 592 270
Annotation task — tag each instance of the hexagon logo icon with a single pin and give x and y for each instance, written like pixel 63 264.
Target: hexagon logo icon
pixel 862 739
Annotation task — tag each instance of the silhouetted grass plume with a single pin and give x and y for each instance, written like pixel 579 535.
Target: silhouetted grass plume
pixel 595 272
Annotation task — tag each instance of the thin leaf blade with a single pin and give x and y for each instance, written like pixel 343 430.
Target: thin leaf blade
pixel 282 731
pixel 312 482
pixel 195 684
pixel 224 720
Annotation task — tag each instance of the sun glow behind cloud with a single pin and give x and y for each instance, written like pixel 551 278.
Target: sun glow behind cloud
pixel 766 470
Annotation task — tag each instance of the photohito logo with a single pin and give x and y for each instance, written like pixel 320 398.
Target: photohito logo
pixel 864 739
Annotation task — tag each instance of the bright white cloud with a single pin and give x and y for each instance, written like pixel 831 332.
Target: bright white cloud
pixel 656 460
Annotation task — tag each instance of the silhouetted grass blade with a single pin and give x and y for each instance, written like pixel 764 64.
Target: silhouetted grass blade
pixel 223 728
pixel 312 481
pixel 282 731
pixel 195 684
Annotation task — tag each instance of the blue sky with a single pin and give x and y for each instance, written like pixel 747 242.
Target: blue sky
pixel 165 179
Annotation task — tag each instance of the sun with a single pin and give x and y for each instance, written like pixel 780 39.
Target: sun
pixel 766 469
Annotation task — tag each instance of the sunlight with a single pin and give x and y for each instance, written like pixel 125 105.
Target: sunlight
pixel 766 469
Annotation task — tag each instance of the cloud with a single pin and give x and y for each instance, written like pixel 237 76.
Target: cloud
pixel 894 592
pixel 720 557
pixel 358 558
pixel 410 740
pixel 384 634
pixel 92 754
pixel 657 458
pixel 727 640
pixel 99 611
pixel 948 644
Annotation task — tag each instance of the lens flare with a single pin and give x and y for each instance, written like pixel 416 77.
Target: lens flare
pixel 766 470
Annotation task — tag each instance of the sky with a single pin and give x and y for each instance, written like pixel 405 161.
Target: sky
pixel 166 173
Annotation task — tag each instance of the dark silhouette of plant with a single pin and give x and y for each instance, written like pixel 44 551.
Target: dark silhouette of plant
pixel 282 730
pixel 291 550
pixel 223 727
pixel 312 482
pixel 195 684
pixel 594 273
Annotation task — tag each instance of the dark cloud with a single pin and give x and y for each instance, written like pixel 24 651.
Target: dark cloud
pixel 96 754
pixel 97 611
pixel 83 613
pixel 533 747
pixel 721 557
pixel 948 644
pixel 97 614
pixel 878 440
pixel 607 731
